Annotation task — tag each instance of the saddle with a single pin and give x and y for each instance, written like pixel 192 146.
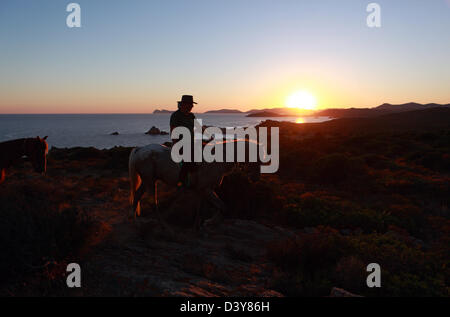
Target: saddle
pixel 186 168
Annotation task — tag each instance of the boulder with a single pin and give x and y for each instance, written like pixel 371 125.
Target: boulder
pixel 155 131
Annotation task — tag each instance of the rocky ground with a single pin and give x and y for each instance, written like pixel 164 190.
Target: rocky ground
pixel 122 257
pixel 140 259
pixel 348 193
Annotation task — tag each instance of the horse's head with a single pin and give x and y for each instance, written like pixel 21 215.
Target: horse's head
pixel 249 166
pixel 36 150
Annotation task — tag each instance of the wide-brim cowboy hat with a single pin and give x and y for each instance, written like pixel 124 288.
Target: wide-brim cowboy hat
pixel 187 99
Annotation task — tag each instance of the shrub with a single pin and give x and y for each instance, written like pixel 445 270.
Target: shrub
pixel 305 263
pixel 36 228
pixel 313 210
pixel 338 168
pixel 247 200
pixel 350 274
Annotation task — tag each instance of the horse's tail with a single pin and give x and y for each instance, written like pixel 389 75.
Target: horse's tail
pixel 135 179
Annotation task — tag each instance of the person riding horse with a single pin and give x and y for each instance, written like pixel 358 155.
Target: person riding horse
pixel 184 117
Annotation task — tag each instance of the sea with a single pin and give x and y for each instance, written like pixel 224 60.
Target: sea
pixel 94 130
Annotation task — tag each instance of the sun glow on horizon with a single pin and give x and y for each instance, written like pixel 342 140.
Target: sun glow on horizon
pixel 301 100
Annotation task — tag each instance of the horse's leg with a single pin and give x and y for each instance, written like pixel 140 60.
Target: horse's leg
pixel 2 175
pixel 157 211
pixel 137 199
pixel 219 204
pixel 198 211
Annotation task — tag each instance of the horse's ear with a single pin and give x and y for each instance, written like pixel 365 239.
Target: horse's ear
pixel 45 137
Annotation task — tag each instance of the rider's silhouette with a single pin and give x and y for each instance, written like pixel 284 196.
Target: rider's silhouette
pixel 185 118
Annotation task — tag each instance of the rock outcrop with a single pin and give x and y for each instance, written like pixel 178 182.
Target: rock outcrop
pixel 155 131
pixel 146 260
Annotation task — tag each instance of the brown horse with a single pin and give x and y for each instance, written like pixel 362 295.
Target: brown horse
pixel 35 149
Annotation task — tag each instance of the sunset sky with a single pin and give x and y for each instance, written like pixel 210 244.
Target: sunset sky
pixel 137 56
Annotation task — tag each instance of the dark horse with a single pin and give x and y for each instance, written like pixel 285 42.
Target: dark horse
pixel 35 149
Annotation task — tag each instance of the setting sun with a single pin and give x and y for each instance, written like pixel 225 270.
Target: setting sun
pixel 301 100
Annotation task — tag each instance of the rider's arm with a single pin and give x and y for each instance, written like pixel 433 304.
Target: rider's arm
pixel 173 140
pixel 174 122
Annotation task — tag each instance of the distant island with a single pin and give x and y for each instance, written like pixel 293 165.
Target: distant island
pixel 280 112
pixel 266 114
pixel 163 111
pixel 383 109
pixel 224 111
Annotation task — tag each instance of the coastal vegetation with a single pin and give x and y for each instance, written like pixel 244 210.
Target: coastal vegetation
pixel 348 192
